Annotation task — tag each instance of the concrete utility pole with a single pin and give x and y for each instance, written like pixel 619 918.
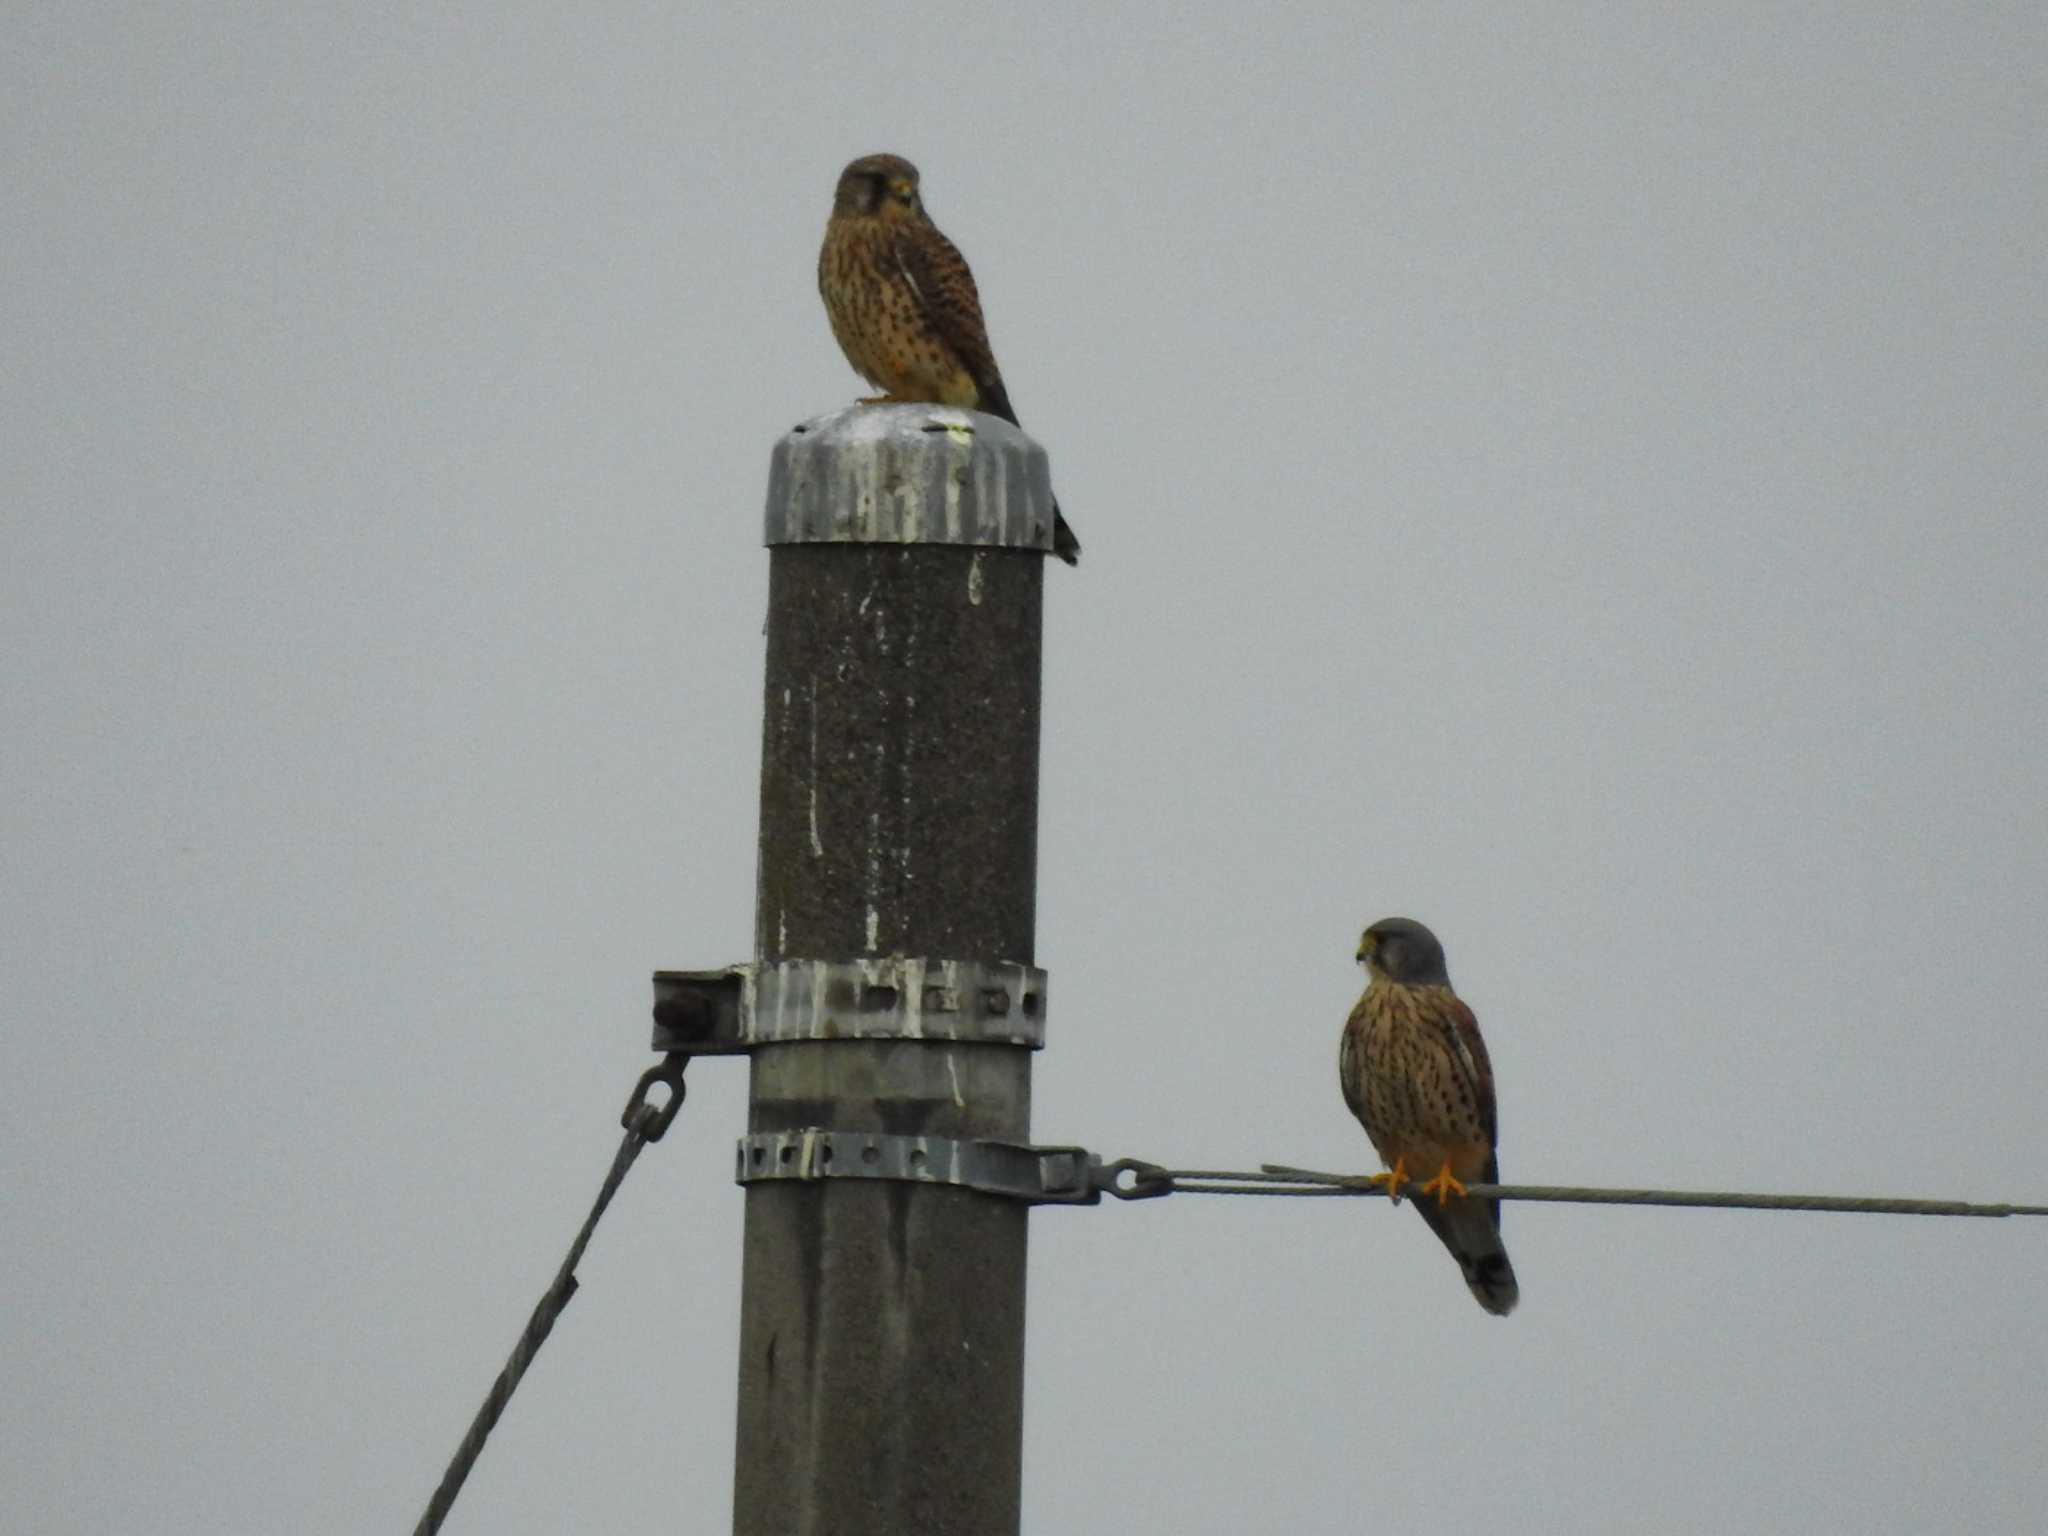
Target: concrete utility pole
pixel 882 1320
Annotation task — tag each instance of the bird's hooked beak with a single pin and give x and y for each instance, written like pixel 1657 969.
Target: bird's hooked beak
pixel 1365 949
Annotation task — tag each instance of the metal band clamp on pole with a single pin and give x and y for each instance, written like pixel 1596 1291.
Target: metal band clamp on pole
pixel 739 1007
pixel 1038 1175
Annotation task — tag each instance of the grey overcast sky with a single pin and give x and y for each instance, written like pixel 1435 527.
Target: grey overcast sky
pixel 1573 474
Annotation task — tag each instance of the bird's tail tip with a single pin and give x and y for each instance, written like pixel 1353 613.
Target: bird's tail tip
pixel 1470 1230
pixel 1491 1279
pixel 1064 544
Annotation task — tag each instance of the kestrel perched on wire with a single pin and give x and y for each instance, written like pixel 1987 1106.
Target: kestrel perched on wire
pixel 903 304
pixel 1415 1073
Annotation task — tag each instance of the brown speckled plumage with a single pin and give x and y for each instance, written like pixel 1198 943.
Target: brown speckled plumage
pixel 1414 1071
pixel 903 305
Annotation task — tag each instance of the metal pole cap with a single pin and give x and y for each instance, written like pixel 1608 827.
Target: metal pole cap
pixel 909 474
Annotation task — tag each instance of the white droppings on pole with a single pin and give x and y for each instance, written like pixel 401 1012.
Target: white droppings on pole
pixel 974 578
pixel 817 847
pixel 873 883
pixel 959 429
pixel 910 982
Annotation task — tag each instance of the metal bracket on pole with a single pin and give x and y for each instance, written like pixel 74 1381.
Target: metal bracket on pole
pixel 734 1010
pixel 1038 1175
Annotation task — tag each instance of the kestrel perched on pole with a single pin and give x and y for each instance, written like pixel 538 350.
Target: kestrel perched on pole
pixel 1415 1073
pixel 903 304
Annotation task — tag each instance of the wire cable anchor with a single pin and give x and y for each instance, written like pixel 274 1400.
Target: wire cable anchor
pixel 651 1120
pixel 644 1122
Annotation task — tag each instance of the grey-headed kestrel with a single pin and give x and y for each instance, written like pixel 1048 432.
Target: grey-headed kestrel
pixel 903 304
pixel 1415 1072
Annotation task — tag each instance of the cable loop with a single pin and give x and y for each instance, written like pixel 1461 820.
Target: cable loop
pixel 1148 1180
pixel 652 1121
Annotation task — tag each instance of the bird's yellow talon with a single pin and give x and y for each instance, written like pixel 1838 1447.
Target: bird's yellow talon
pixel 1443 1186
pixel 1392 1180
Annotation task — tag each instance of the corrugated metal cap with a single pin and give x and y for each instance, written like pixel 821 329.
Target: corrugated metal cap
pixel 909 474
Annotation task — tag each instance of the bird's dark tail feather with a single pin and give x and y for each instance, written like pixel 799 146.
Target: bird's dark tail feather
pixel 996 401
pixel 1468 1229
pixel 1064 544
